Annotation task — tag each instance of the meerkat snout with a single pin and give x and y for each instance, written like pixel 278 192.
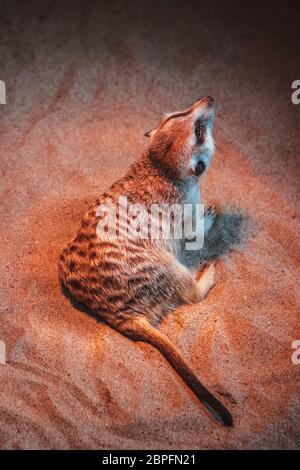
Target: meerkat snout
pixel 208 99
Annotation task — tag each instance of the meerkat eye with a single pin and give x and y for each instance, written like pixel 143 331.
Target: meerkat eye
pixel 199 131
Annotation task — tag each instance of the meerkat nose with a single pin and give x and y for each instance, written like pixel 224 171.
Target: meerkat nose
pixel 199 168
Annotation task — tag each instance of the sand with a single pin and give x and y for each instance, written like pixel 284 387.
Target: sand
pixel 85 80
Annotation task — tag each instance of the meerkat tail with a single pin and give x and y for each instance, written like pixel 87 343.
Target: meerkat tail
pixel 140 329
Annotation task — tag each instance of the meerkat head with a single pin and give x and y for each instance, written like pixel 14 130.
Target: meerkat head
pixel 182 144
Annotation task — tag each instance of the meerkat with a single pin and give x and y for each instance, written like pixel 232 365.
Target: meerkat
pixel 133 282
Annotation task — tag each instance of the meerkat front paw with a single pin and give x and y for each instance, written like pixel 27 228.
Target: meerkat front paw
pixel 210 216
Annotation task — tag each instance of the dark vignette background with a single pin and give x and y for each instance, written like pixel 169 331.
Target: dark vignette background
pixel 85 80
